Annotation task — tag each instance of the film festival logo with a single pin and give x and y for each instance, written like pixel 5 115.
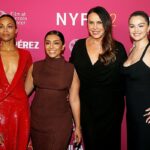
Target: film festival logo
pixel 77 18
pixel 20 17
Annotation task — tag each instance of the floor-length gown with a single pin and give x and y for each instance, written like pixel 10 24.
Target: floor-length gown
pixel 101 96
pixel 138 100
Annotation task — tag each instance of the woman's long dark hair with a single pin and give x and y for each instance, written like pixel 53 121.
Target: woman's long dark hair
pixel 108 45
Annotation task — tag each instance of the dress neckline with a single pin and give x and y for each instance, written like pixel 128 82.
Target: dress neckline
pixel 141 58
pixel 4 73
pixel 88 56
pixel 54 61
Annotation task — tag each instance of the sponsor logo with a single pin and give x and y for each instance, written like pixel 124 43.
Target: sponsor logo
pixel 72 147
pixel 27 44
pixel 71 44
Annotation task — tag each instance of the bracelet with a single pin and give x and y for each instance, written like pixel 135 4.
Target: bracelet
pixel 78 128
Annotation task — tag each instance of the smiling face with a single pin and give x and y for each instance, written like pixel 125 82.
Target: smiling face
pixel 138 28
pixel 53 46
pixel 8 29
pixel 95 26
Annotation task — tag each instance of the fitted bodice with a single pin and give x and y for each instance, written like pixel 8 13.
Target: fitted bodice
pixel 138 74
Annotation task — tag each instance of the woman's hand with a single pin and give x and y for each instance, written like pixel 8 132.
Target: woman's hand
pixel 78 136
pixel 147 115
pixel 1 139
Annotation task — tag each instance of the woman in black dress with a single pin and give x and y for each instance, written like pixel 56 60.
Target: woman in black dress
pixel 54 79
pixel 137 72
pixel 97 60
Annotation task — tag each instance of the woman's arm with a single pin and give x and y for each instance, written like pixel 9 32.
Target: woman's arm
pixel 29 81
pixel 75 106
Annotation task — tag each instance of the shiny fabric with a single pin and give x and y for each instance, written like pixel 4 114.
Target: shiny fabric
pixel 14 108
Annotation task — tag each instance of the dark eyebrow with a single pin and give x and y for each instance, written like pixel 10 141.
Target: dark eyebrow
pixel 11 24
pixel 54 40
pixel 57 40
pixel 142 23
pixel 138 24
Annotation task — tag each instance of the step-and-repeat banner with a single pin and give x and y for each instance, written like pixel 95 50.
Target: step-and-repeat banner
pixel 36 17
